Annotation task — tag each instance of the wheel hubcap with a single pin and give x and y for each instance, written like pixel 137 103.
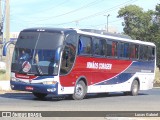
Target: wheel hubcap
pixel 79 90
pixel 135 88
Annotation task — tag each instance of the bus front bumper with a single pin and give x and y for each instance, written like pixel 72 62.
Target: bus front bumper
pixel 35 87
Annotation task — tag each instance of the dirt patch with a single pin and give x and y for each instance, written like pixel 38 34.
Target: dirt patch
pixel 156 84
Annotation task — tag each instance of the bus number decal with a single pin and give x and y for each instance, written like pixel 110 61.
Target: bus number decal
pixel 94 65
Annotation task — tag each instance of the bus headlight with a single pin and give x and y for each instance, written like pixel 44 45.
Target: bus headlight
pixel 49 82
pixel 51 90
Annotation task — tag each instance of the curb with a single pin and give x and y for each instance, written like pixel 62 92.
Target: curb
pixel 5 85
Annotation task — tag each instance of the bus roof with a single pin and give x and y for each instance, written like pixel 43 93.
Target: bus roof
pixel 45 29
pixel 113 37
pixel 96 33
pixel 104 32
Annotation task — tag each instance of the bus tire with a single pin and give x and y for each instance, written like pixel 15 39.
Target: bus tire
pixel 40 95
pixel 126 93
pixel 134 88
pixel 80 91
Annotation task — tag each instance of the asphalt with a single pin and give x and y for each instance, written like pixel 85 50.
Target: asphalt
pixel 5 85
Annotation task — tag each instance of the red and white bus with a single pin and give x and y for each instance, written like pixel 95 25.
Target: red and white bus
pixel 73 61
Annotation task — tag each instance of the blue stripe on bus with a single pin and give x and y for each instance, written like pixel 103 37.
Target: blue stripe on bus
pixel 128 73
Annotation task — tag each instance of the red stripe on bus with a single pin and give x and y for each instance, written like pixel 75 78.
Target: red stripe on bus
pixel 94 74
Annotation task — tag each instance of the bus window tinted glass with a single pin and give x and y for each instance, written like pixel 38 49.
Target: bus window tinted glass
pixel 151 53
pixel 120 49
pixel 143 52
pixel 69 54
pixel 84 47
pixel 134 54
pixel 126 50
pixel 98 47
pixel 123 50
pixel 114 49
pixel 109 48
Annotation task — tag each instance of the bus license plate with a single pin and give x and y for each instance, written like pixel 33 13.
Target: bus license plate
pixel 29 88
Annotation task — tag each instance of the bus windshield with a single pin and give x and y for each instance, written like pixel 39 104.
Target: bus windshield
pixel 37 53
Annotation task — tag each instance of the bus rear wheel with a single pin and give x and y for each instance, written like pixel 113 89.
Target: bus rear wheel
pixel 40 95
pixel 80 91
pixel 134 88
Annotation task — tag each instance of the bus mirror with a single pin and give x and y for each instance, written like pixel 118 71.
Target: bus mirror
pixel 5 46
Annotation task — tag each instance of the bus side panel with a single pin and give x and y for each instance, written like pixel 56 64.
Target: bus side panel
pixel 108 75
pixel 79 70
pixel 94 70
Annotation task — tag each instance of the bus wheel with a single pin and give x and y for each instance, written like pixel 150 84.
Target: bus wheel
pixel 40 95
pixel 134 88
pixel 80 91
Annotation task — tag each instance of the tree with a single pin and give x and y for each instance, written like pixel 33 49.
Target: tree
pixel 136 23
pixel 142 25
pixel 156 31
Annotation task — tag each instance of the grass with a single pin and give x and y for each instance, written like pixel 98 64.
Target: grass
pixel 157 78
pixel 4 76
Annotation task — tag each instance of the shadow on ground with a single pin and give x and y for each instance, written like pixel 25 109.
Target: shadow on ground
pixel 30 96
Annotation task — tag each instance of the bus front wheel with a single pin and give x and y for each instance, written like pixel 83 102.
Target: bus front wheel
pixel 80 91
pixel 40 95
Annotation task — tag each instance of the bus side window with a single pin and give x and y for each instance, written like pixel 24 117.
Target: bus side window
pixel 126 50
pixel 143 52
pixel 151 53
pixel 69 54
pixel 114 49
pixel 84 45
pixel 137 51
pixel 99 46
pixel 80 47
pixel 132 51
pixel 120 51
pixel 109 48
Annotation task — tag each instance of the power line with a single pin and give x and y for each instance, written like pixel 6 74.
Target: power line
pixel 98 13
pixel 72 11
pixel 119 19
pixel 53 7
pixel 83 7
pixel 86 17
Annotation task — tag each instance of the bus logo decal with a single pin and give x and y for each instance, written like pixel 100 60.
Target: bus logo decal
pixel 26 66
pixel 94 65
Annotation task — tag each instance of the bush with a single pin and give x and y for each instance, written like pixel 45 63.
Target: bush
pixel 2 71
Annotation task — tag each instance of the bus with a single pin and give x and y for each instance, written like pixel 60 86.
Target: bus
pixel 68 61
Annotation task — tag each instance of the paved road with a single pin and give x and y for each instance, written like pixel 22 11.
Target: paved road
pixel 145 101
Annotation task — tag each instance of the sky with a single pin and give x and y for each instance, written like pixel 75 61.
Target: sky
pixel 71 13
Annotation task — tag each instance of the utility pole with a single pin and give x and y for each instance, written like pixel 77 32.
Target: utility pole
pixel 1 38
pixel 77 22
pixel 107 21
pixel 7 31
pixel 7 21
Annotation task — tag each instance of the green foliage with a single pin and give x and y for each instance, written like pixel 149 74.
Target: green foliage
pixel 2 72
pixel 142 25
